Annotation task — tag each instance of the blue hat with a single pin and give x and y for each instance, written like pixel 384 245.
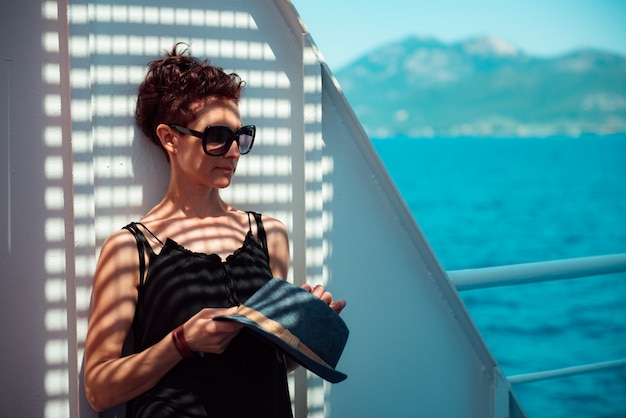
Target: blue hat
pixel 298 322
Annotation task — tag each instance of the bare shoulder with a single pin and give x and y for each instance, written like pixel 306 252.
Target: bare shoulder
pixel 121 236
pixel 278 246
pixel 273 225
pixel 118 264
pixel 276 232
pixel 120 246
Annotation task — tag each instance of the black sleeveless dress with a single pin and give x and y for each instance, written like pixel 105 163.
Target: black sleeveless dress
pixel 249 379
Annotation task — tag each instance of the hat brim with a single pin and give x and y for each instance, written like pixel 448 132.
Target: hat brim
pixel 297 322
pixel 322 370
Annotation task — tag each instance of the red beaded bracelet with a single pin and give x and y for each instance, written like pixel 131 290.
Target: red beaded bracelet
pixel 178 336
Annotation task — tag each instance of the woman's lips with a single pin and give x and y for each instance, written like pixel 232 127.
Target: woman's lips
pixel 226 168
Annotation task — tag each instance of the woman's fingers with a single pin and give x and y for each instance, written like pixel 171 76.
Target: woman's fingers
pixel 203 334
pixel 338 306
pixel 325 296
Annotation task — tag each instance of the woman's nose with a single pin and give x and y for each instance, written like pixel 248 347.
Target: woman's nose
pixel 233 151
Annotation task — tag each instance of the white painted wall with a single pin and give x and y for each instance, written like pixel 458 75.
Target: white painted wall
pixel 75 170
pixel 36 244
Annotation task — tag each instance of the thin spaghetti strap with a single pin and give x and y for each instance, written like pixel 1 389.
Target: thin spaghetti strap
pixel 261 233
pixel 249 222
pixel 150 232
pixel 142 246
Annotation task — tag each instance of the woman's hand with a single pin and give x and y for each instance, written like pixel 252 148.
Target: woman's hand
pixel 205 335
pixel 325 296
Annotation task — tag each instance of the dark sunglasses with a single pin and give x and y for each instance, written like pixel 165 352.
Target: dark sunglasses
pixel 216 140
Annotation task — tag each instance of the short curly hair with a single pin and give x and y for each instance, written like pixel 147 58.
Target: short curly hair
pixel 175 85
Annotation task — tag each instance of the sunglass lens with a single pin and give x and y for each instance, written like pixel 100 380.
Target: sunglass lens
pixel 217 135
pixel 216 140
pixel 246 138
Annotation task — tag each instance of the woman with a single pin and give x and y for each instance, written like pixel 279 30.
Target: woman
pixel 192 257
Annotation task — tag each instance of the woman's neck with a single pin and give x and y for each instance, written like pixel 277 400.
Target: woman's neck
pixel 191 203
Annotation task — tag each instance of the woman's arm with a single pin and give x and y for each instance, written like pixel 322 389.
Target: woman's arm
pixel 111 379
pixel 278 247
pixel 278 243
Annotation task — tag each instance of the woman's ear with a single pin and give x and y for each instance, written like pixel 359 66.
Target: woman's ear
pixel 167 137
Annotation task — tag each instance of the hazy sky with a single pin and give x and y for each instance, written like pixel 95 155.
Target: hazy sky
pixel 344 29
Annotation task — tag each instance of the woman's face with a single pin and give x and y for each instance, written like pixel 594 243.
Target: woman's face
pixel 190 159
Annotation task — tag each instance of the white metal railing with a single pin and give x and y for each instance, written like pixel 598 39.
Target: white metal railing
pixel 567 371
pixel 540 272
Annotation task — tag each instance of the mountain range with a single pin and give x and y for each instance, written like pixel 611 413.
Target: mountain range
pixel 484 86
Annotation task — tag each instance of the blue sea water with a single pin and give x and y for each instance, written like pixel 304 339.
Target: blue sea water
pixel 488 202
